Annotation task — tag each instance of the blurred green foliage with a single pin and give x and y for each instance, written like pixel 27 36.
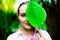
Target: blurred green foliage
pixel 8 18
pixel 9 22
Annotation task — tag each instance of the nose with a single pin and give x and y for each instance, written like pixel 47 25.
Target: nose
pixel 26 19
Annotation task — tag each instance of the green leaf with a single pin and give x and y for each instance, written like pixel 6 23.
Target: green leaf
pixel 35 14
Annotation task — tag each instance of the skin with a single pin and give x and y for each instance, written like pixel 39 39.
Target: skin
pixel 26 29
pixel 22 17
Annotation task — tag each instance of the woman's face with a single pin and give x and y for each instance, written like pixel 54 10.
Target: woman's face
pixel 22 17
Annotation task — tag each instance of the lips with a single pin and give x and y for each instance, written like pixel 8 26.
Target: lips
pixel 27 24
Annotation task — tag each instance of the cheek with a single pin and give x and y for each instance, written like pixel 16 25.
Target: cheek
pixel 22 20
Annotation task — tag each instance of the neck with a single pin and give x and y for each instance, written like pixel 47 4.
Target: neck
pixel 28 32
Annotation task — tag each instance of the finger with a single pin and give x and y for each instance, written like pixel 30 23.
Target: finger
pixel 41 36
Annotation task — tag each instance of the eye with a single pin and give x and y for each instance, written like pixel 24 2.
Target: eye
pixel 23 14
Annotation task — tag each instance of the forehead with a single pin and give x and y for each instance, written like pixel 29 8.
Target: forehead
pixel 22 9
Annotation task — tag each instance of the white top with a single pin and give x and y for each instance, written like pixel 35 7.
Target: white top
pixel 18 36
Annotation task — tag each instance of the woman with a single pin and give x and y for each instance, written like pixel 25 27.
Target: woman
pixel 27 32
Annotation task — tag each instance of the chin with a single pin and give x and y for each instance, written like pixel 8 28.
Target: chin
pixel 28 27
